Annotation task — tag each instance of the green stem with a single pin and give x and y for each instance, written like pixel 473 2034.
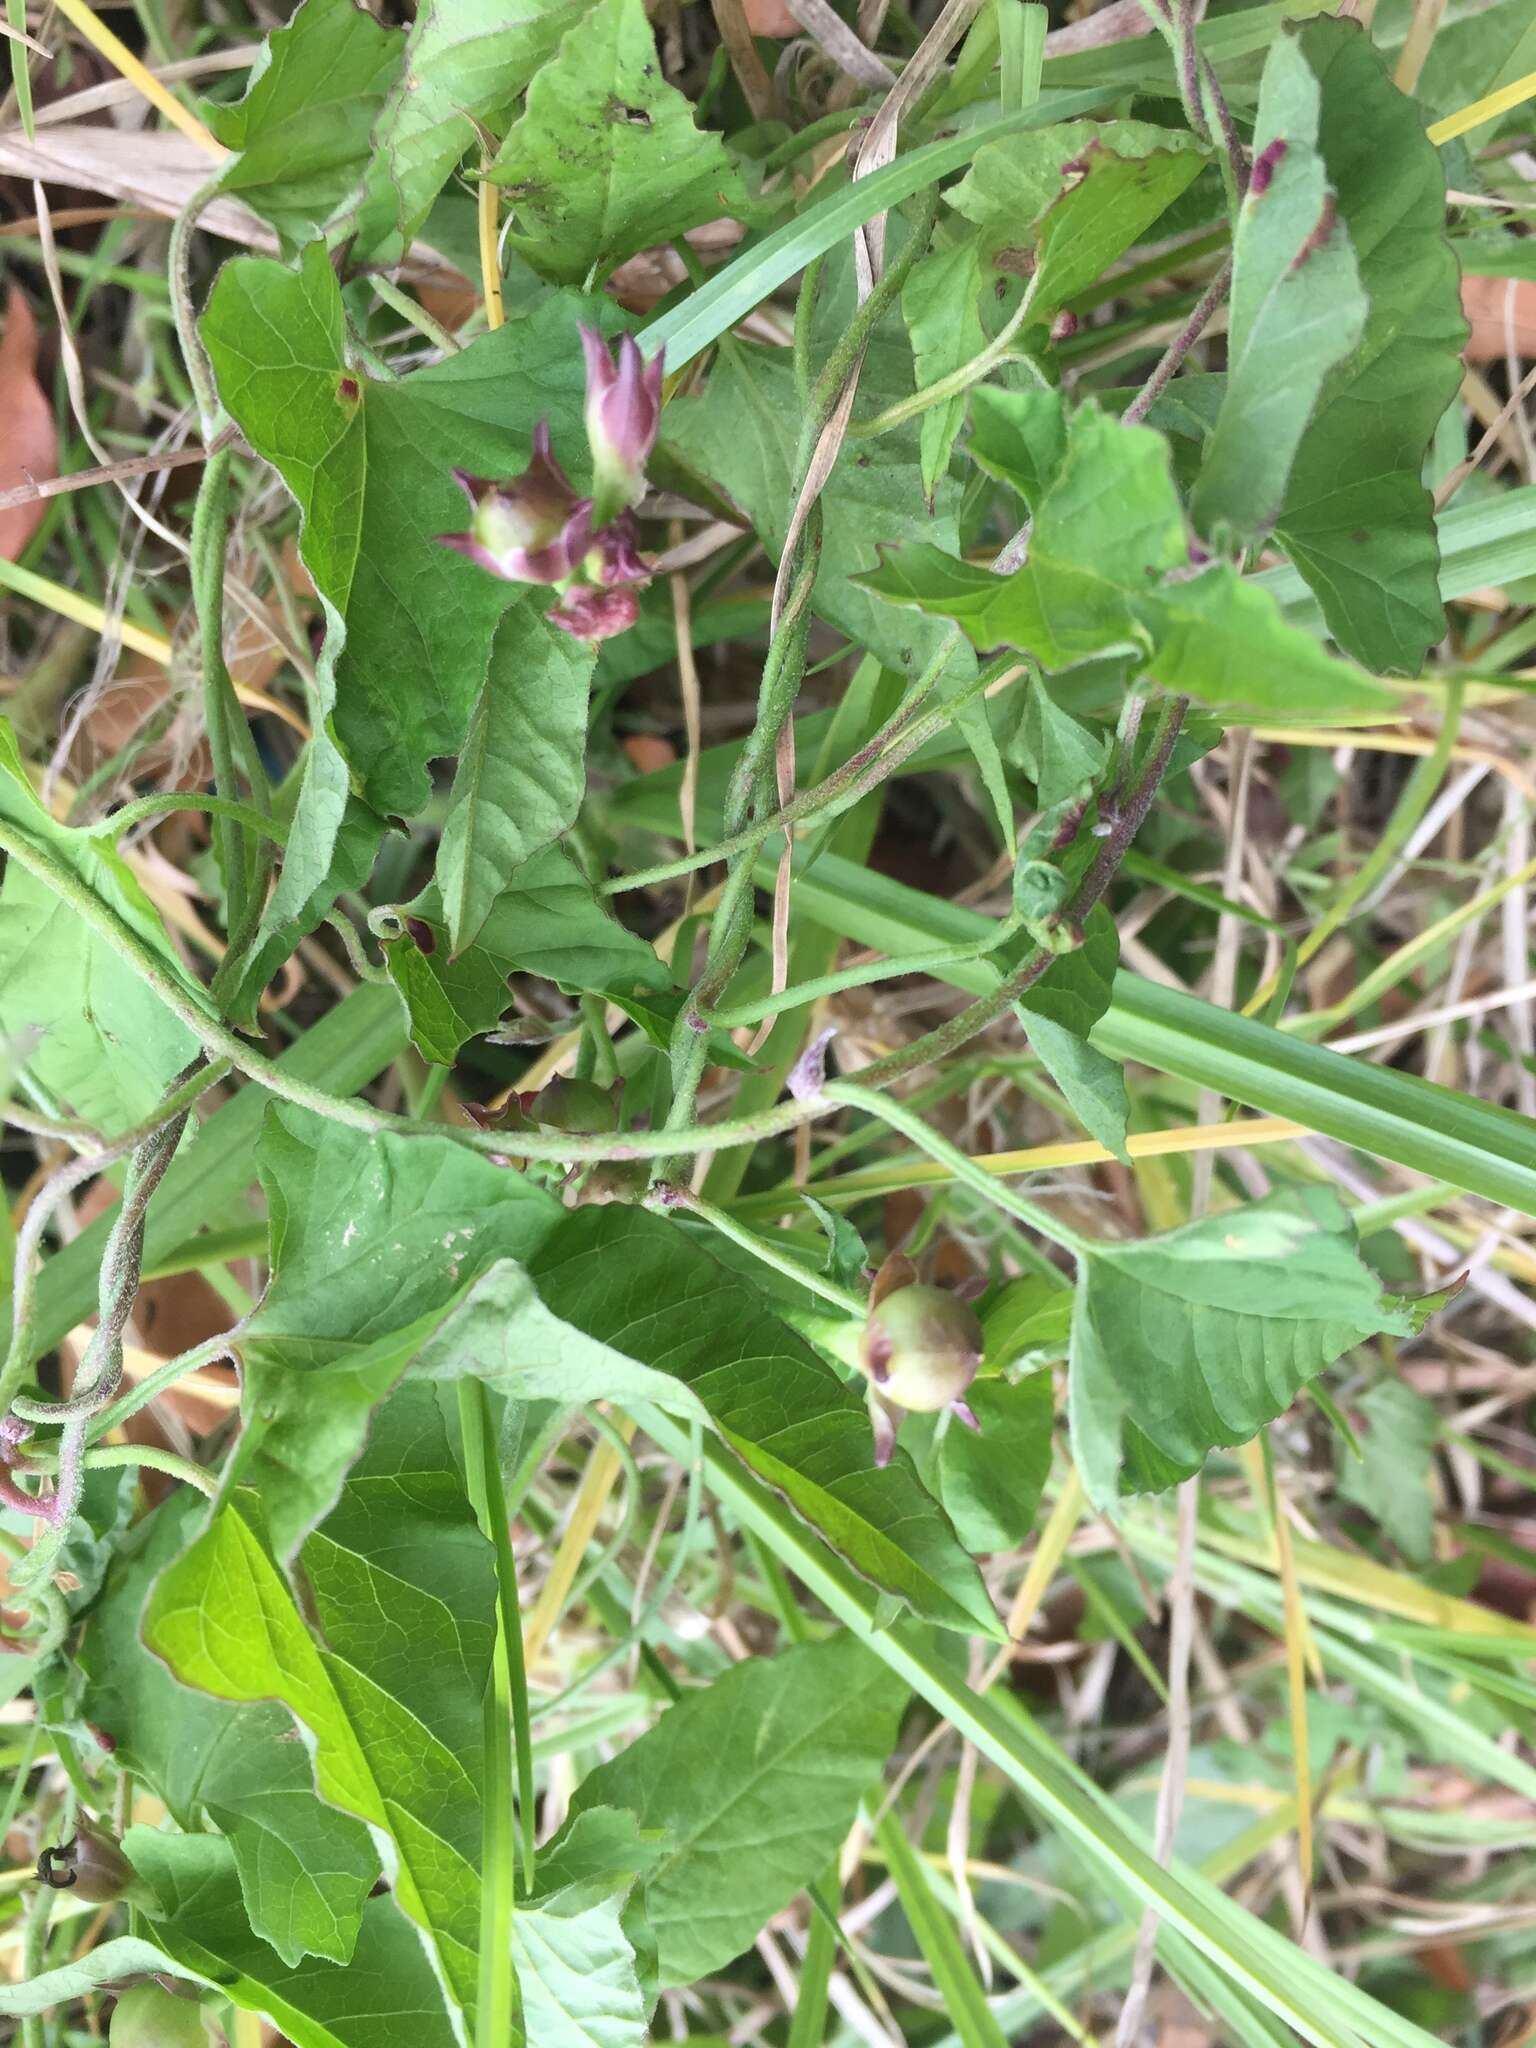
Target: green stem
pixel 594 1018
pixel 902 735
pixel 105 1456
pixel 981 365
pixel 417 316
pixel 165 801
pixel 668 1195
pixel 887 1110
pixel 1126 821
pixel 34 1953
pixel 199 370
pixel 861 977
pixel 154 1384
pixel 496 2016
pixel 221 708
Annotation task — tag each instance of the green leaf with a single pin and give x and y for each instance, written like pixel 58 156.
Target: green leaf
pixel 1321 2005
pixel 1075 990
pixel 755 1781
pixel 466 63
pixel 1090 189
pixel 576 1972
pixel 205 1185
pixel 1297 309
pixel 388 1998
pixel 744 431
pixel 96 1970
pixel 501 1332
pixel 636 1282
pixel 301 132
pixel 327 853
pixel 1201 1336
pixel 373 1238
pixel 847 1259
pixel 402 1587
pixel 990 1480
pixel 1027 1321
pixel 1061 756
pixel 411 621
pixel 1109 570
pixel 81 1023
pixel 939 305
pixel 1020 437
pixel 1093 1083
pixel 1390 1479
pixel 520 778
pixel 607 159
pixel 1358 521
pixel 305 1870
pixel 1059 1012
pixel 545 922
pixel 276 340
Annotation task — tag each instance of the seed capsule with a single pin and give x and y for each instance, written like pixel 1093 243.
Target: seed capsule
pixel 921 1347
pixel 149 2017
pixel 91 1866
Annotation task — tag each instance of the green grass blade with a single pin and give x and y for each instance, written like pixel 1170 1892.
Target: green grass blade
pixel 21 76
pixel 732 293
pixel 807 2029
pixel 956 1982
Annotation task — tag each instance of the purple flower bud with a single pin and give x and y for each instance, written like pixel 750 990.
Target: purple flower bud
pixel 615 555
pixel 532 530
pixel 623 409
pixel 588 614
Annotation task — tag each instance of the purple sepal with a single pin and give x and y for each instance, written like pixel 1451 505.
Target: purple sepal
pixel 807 1077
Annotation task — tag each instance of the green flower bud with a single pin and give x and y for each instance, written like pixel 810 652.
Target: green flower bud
pixel 921 1347
pixel 149 2017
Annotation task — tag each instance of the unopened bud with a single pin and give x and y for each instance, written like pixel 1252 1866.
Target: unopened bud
pixel 623 411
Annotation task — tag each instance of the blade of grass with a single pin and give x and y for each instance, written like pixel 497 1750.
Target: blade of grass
pixel 733 292
pixel 1300 1650
pixel 21 76
pixel 123 61
pixel 808 2026
pixel 506 1702
pixel 965 2002
pixel 1488 108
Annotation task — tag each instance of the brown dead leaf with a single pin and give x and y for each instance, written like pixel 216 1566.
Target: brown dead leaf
pixel 160 172
pixel 1497 306
pixel 29 435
